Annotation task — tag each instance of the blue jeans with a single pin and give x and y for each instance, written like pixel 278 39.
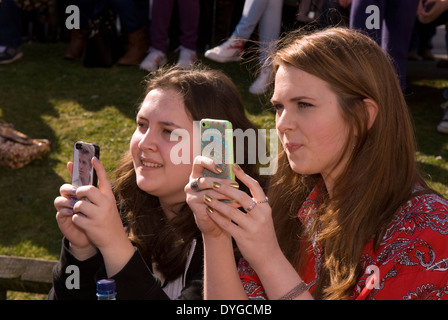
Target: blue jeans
pixel 10 26
pixel 132 13
pixel 397 21
pixel 266 13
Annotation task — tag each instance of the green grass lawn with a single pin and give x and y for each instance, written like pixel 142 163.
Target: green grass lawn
pixel 48 97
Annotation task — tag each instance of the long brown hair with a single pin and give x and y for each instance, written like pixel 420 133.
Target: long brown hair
pixel 207 94
pixel 381 173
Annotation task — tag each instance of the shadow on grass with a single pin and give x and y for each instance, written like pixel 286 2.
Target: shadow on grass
pixel 28 89
pixel 433 173
pixel 426 83
pixel 28 225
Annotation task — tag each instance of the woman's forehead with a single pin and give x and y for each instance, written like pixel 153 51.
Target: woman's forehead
pixel 164 105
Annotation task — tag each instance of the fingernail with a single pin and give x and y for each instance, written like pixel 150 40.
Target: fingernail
pixel 218 168
pixel 216 185
pixel 236 166
pixel 210 210
pixel 73 202
pixel 207 198
pixel 70 211
pixel 235 185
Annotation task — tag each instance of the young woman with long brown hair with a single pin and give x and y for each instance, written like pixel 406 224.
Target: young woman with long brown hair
pixel 158 252
pixel 348 215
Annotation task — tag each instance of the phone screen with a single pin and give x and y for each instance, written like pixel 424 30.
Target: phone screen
pixel 217 144
pixel 83 172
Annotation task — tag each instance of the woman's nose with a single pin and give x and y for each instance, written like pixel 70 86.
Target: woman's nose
pixel 148 141
pixel 285 121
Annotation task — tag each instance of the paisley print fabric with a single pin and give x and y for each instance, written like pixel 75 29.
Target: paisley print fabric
pixel 411 262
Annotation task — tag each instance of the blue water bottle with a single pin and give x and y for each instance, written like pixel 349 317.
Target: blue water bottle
pixel 106 289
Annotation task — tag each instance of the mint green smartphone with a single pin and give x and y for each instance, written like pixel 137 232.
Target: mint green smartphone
pixel 217 144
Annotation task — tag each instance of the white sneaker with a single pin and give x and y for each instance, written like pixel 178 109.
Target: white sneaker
pixel 153 60
pixel 229 51
pixel 261 84
pixel 9 54
pixel 187 58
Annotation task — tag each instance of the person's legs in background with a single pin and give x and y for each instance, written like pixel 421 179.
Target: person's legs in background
pixel 358 17
pixel 267 14
pixel 269 31
pixel 253 11
pixel 397 30
pixel 133 26
pixel 443 63
pixel 10 32
pixel 396 24
pixel 230 50
pixel 161 13
pixel 78 37
pixel 189 23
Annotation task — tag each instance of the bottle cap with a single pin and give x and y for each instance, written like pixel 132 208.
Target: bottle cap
pixel 106 286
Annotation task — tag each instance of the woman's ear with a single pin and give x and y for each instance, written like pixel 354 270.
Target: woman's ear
pixel 372 109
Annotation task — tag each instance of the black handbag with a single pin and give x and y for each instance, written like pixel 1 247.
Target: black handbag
pixel 104 45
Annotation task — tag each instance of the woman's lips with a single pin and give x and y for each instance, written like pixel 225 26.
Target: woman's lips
pixel 149 163
pixel 291 147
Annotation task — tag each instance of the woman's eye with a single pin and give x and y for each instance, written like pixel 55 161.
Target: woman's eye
pixel 305 105
pixel 142 126
pixel 277 107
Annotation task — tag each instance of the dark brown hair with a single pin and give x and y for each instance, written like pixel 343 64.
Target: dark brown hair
pixel 207 94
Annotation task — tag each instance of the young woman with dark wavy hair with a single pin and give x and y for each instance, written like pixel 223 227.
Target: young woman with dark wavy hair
pixel 149 243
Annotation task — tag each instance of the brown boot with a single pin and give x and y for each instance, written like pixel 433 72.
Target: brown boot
pixel 77 43
pixel 137 48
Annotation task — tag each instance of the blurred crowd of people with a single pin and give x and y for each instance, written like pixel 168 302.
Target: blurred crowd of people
pixel 404 29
